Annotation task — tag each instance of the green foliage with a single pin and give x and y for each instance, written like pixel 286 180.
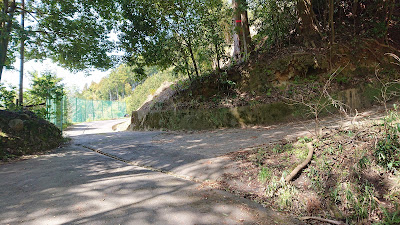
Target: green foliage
pixel 304 140
pixel 285 193
pixel 264 174
pixel 282 148
pixel 387 151
pixel 7 97
pixel 315 177
pixel 274 19
pixel 379 29
pixel 363 162
pixel 118 84
pixel 45 87
pixel 73 33
pixel 143 90
pixel 300 151
pixel 342 79
pixel 390 218
pixel 358 199
pixel 179 33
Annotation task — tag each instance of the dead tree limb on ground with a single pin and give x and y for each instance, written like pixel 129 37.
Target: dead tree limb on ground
pixel 303 164
pixel 323 220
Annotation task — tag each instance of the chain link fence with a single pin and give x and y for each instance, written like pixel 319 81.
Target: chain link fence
pixel 76 110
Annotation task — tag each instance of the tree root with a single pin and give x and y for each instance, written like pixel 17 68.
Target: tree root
pixel 323 220
pixel 303 164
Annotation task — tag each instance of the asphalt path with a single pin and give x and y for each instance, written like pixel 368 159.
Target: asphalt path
pixel 107 177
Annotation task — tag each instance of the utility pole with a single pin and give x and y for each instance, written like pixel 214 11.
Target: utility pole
pixel 21 71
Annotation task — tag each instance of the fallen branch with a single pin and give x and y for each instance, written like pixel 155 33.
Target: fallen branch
pixel 323 220
pixel 303 164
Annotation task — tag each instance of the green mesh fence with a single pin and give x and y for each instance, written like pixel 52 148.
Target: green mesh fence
pixel 81 110
pixel 55 112
pixel 76 110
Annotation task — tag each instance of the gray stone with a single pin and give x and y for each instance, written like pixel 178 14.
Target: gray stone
pixel 16 124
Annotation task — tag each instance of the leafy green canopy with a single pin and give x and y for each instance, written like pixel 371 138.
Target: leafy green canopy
pixel 7 97
pixel 74 33
pixel 117 85
pixel 46 86
pixel 178 33
pixel 274 19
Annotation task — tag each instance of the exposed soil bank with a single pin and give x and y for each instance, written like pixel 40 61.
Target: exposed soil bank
pixel 259 114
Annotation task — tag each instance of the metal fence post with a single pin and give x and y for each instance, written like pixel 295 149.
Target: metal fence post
pixel 76 110
pixel 112 117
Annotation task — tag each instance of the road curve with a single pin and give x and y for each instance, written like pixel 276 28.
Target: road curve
pixel 76 185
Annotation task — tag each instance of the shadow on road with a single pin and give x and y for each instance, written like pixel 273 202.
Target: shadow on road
pixel 202 154
pixel 75 186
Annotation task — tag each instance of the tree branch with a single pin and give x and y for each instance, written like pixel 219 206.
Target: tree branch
pixel 303 164
pixel 323 220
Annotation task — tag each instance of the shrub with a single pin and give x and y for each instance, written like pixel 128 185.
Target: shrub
pixel 7 97
pixel 387 151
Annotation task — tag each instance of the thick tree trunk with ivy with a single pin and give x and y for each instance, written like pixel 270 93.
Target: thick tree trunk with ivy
pixel 242 39
pixel 307 27
pixel 246 29
pixel 7 14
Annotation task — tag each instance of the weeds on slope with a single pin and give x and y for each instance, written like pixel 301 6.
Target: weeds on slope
pixel 353 177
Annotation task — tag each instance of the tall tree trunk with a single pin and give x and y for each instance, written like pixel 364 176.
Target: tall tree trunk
pixel 216 45
pixel 238 31
pixel 241 37
pixel 246 29
pixel 5 26
pixel 189 45
pixel 22 52
pixel 186 63
pixel 218 57
pixel 332 39
pixel 307 27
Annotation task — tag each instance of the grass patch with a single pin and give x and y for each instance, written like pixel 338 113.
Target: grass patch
pixel 148 87
pixel 264 174
pixel 345 181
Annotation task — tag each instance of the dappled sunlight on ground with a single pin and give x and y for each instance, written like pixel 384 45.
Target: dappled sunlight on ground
pixel 76 186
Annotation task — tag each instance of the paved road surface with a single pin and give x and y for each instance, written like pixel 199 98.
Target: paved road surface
pixel 148 180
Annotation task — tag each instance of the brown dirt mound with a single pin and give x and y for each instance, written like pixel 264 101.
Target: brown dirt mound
pixel 24 133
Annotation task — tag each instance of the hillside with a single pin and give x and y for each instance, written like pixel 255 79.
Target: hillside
pixel 281 74
pixel 351 175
